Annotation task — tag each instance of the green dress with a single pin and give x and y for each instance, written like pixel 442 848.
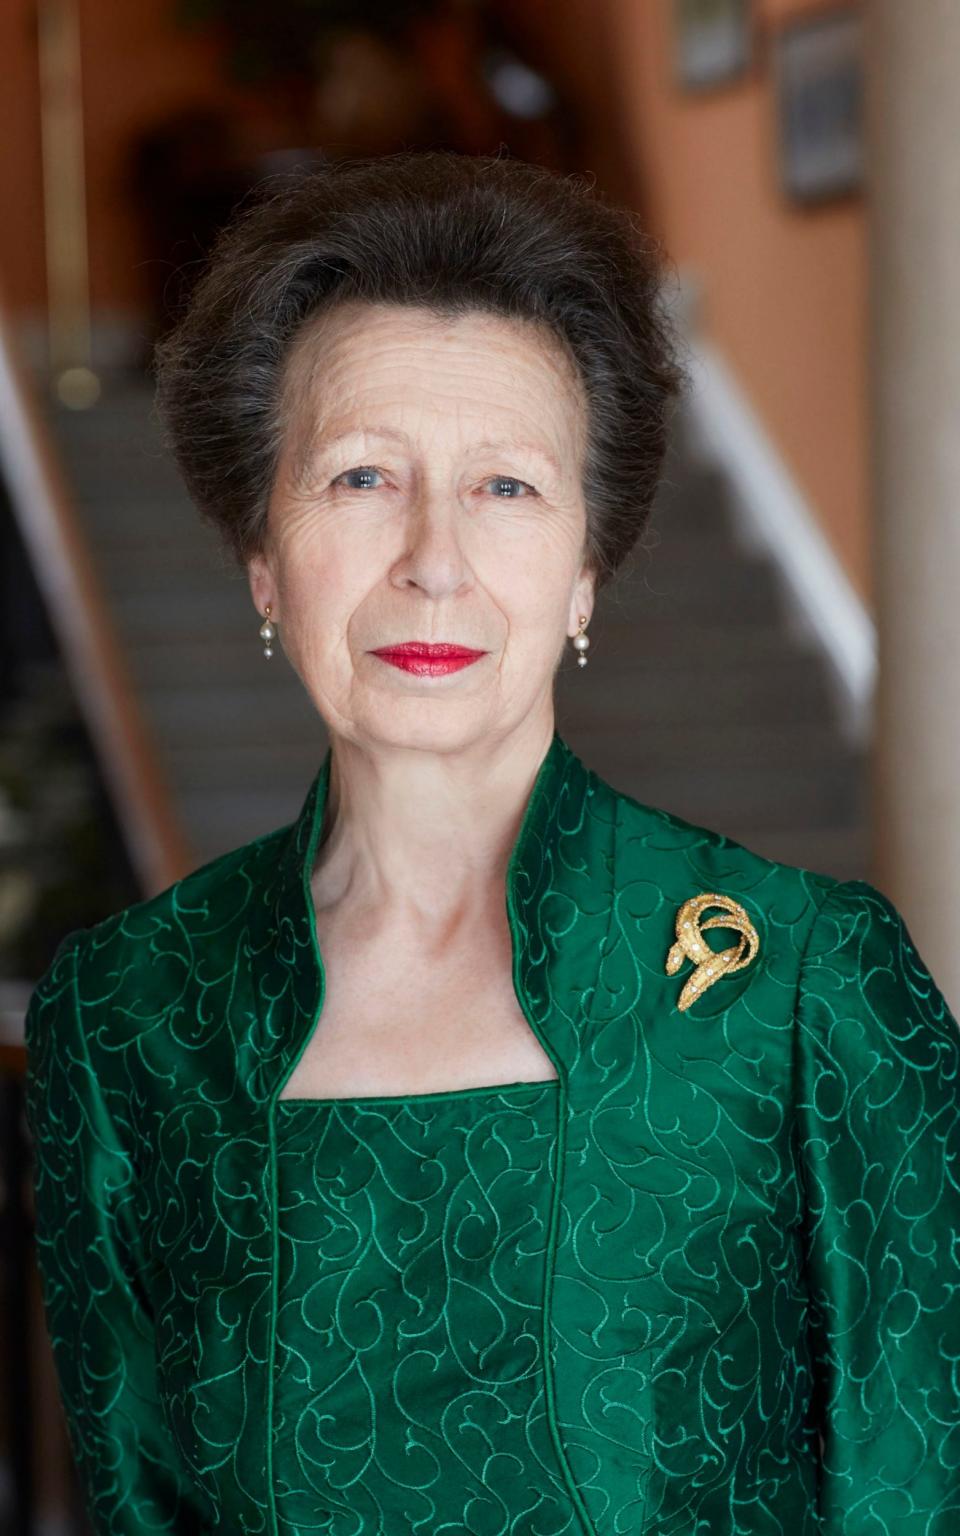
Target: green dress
pixel 750 1285
pixel 408 1380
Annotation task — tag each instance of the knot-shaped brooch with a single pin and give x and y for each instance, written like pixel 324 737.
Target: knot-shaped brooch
pixel 711 963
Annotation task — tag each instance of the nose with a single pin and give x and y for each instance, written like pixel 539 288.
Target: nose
pixel 433 556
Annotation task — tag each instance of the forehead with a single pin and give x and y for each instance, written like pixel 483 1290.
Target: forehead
pixel 360 356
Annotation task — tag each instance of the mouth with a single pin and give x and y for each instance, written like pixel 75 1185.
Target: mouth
pixel 426 648
pixel 428 659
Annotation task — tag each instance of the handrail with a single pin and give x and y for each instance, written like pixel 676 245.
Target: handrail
pixel 64 199
pixel 77 608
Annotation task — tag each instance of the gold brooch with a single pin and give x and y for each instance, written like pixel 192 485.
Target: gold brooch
pixel 711 963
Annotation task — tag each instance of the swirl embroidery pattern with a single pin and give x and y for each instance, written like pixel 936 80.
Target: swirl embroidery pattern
pixel 744 1224
pixel 409 1380
pixel 878 1135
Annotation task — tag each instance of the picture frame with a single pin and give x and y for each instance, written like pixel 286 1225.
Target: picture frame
pixel 818 87
pixel 713 42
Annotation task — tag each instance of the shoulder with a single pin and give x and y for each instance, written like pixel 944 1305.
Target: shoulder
pixel 118 967
pixel 678 859
pixel 214 900
pixel 865 981
pixel 842 944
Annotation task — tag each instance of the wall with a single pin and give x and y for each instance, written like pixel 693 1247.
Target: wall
pixel 21 195
pixel 784 287
pixel 137 65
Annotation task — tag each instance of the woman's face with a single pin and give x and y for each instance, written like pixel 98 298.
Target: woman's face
pixel 428 489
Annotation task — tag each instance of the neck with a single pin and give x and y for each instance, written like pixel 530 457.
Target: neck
pixel 422 835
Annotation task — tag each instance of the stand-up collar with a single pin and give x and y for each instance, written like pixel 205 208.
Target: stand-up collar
pixel 560 778
pixel 555 808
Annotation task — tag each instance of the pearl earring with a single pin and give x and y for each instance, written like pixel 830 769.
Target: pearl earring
pixel 581 643
pixel 268 632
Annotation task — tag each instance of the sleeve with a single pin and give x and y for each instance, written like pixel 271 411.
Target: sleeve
pixel 96 1312
pixel 878 1122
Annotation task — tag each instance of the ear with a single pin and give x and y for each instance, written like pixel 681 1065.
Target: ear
pixel 262 586
pixel 582 602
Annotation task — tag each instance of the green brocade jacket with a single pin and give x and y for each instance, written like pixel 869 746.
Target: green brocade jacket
pixel 751 1304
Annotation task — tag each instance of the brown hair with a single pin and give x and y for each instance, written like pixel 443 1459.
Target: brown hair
pixel 445 231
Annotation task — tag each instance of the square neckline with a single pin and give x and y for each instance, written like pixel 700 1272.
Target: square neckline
pixel 436 1093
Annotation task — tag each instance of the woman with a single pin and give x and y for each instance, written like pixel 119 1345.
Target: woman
pixel 430 1164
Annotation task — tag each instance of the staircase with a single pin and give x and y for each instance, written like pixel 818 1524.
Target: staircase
pixel 698 697
pixel 701 697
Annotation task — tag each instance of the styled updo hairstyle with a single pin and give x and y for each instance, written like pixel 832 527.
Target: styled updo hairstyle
pixel 450 232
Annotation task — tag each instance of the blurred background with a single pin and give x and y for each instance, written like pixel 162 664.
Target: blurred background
pixel 780 659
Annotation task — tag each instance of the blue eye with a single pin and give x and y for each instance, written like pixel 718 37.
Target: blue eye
pixel 364 470
pixel 509 480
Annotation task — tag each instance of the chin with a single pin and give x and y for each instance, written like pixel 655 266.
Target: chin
pixel 424 729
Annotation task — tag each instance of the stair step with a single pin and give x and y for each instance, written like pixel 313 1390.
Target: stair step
pixel 227 717
pixel 221 819
pixel 772 689
pixel 828 797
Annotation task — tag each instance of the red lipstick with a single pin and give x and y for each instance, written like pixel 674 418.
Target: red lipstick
pixel 428 660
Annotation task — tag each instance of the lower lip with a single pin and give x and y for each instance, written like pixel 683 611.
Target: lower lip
pixel 427 666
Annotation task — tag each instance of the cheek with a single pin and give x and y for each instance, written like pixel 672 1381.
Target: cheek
pixel 337 607
pixel 316 583
pixel 531 588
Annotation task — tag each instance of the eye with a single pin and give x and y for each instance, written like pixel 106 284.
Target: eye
pixel 509 487
pixel 365 472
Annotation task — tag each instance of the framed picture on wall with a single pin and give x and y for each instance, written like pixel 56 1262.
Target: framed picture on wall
pixel 712 40
pixel 818 86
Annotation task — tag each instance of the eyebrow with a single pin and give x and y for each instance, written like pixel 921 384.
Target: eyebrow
pixel 317 444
